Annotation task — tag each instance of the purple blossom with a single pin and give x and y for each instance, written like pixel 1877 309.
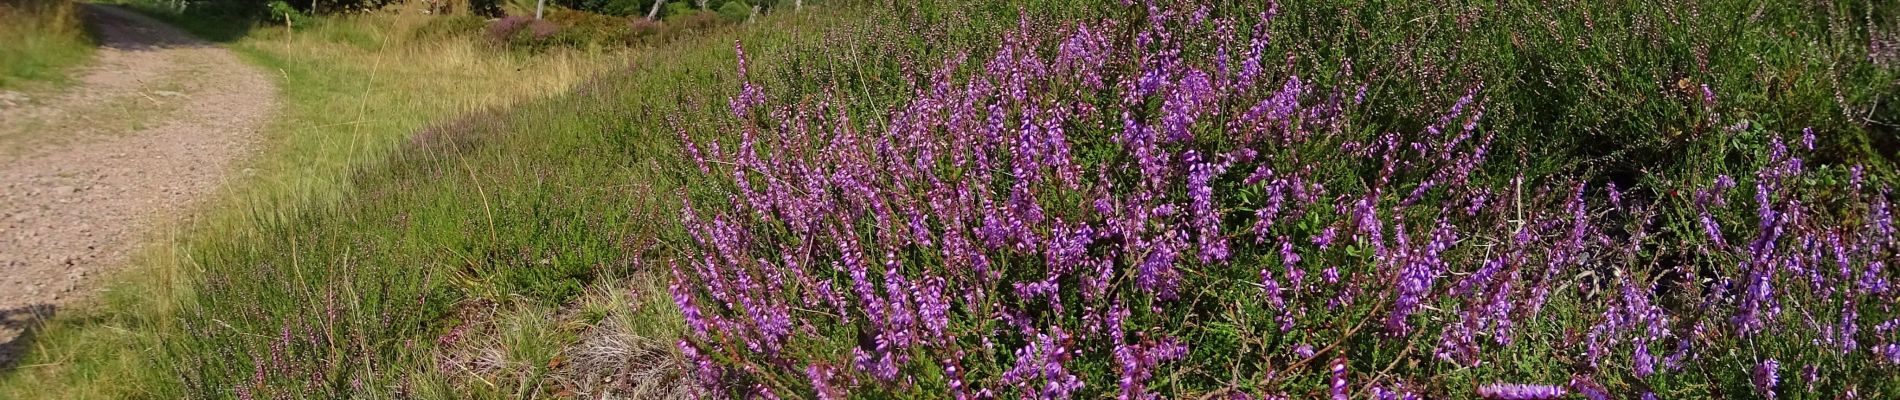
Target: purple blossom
pixel 1765 377
pixel 1519 391
pixel 1040 368
pixel 1589 388
pixel 821 382
pixel 1201 206
pixel 1339 379
pixel 958 227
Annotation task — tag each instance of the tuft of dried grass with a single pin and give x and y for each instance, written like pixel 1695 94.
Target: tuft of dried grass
pixel 614 360
pixel 611 364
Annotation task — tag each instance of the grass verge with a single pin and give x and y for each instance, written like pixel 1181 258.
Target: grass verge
pixel 354 89
pixel 40 40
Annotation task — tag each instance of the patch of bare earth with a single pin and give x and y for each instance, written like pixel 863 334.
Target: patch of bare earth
pixel 155 124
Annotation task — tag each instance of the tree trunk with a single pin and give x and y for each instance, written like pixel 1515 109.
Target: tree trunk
pixel 538 5
pixel 655 11
pixel 798 4
pixel 702 4
pixel 755 14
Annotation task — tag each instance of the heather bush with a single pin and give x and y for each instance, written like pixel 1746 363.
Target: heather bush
pixel 583 28
pixel 1220 201
pixel 504 29
pixel 926 199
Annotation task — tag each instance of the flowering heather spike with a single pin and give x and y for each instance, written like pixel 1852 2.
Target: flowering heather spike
pixel 1206 218
pixel 821 382
pixel 1765 377
pixel 1185 104
pixel 1519 391
pixel 685 303
pixel 975 184
pixel 1589 388
pixel 1339 379
pixel 707 373
pixel 1645 364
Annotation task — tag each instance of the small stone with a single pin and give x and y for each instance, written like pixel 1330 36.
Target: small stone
pixel 12 98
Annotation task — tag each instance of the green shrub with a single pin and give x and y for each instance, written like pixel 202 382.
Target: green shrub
pixel 677 8
pixel 589 29
pixel 593 6
pixel 628 7
pixel 281 11
pixel 735 11
pixel 693 21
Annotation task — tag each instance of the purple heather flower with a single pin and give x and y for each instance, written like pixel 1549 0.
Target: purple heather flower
pixel 1206 218
pixel 707 372
pixel 821 382
pixel 1765 377
pixel 1304 351
pixel 1645 363
pixel 1890 353
pixel 1519 391
pixel 1185 104
pixel 1589 388
pixel 688 309
pixel 1813 374
pixel 1339 379
pixel 1042 360
pixel 1083 54
pixel 1419 268
pixel 1325 238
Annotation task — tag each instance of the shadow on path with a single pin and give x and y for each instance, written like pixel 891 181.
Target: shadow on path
pixel 25 322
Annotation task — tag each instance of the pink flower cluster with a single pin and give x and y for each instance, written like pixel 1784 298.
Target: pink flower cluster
pixel 1050 223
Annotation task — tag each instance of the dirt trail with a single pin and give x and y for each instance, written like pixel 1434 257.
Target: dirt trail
pixel 155 123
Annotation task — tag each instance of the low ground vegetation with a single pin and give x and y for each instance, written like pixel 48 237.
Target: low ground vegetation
pixel 355 88
pixel 1347 199
pixel 1340 199
pixel 40 41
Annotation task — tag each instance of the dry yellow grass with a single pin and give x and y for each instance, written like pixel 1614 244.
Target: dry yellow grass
pixel 354 89
pixel 39 41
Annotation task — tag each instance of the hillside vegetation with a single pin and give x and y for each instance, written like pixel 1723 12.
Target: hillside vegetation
pixel 1086 199
pixel 1344 199
pixel 39 41
pixel 355 88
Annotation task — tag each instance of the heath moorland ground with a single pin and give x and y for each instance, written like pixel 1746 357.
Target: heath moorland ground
pixel 1075 199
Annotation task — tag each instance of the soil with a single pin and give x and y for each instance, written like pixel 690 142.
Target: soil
pixel 154 125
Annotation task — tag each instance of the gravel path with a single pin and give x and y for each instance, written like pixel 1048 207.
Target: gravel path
pixel 155 123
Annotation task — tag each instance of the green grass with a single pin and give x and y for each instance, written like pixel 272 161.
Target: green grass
pixel 353 90
pixel 40 42
pixel 524 210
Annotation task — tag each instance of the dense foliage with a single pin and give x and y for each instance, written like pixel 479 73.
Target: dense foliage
pixel 1281 203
